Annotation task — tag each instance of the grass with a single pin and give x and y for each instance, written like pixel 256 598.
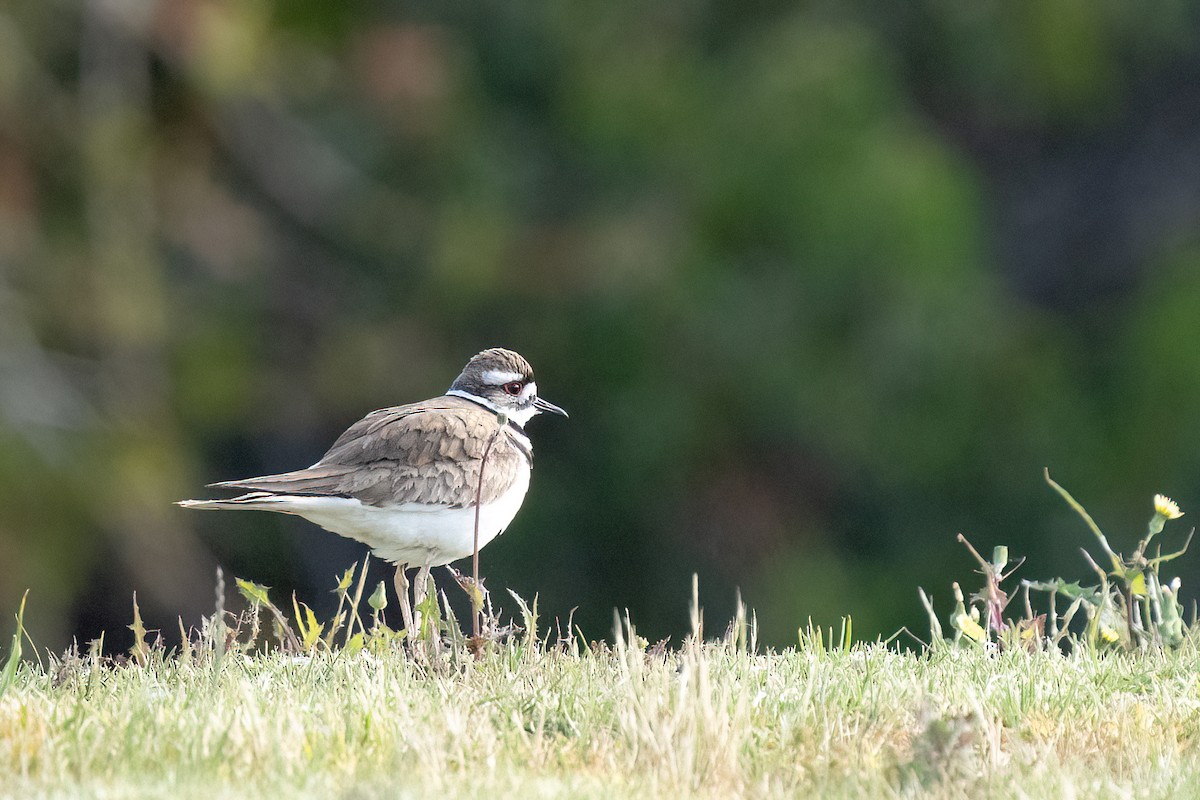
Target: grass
pixel 709 720
pixel 1102 699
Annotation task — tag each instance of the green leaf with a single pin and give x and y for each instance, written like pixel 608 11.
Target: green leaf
pixel 528 616
pixel 313 632
pixel 431 616
pixel 347 579
pixel 1071 591
pixel 256 593
pixel 306 623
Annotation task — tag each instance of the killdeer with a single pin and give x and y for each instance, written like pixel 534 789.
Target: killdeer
pixel 404 480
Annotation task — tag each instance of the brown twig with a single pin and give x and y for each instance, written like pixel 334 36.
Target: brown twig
pixel 354 617
pixel 475 590
pixel 996 599
pixel 983 563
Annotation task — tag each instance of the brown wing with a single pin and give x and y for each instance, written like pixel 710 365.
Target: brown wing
pixel 426 452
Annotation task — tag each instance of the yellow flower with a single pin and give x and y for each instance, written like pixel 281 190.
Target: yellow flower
pixel 1109 635
pixel 1166 507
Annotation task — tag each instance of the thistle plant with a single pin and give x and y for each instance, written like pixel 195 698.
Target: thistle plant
pixel 1131 607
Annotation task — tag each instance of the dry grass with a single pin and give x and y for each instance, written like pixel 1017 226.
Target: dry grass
pixel 709 720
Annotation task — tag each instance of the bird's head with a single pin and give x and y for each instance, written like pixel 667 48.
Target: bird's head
pixel 503 380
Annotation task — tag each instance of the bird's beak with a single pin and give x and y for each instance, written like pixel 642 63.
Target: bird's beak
pixel 546 405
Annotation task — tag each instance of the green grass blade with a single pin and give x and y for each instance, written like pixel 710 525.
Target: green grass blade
pixel 9 674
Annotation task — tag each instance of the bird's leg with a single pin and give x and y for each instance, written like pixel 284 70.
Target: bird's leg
pixel 402 596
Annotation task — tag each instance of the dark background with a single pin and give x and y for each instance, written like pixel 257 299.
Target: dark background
pixel 820 284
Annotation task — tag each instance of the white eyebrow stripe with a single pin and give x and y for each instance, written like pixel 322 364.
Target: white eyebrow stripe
pixel 499 377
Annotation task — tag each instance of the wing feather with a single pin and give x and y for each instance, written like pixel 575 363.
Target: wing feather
pixel 421 453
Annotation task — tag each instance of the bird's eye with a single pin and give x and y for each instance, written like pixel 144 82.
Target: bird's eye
pixel 513 388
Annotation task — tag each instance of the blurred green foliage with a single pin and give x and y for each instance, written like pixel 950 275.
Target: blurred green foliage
pixel 820 284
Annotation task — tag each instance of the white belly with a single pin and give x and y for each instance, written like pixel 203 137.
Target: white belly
pixel 413 533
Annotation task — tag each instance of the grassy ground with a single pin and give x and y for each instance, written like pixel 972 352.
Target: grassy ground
pixel 710 721
pixel 342 708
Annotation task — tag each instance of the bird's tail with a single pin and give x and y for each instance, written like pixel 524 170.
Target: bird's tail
pixel 260 501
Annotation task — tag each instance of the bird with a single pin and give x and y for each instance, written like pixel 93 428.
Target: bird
pixel 404 480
